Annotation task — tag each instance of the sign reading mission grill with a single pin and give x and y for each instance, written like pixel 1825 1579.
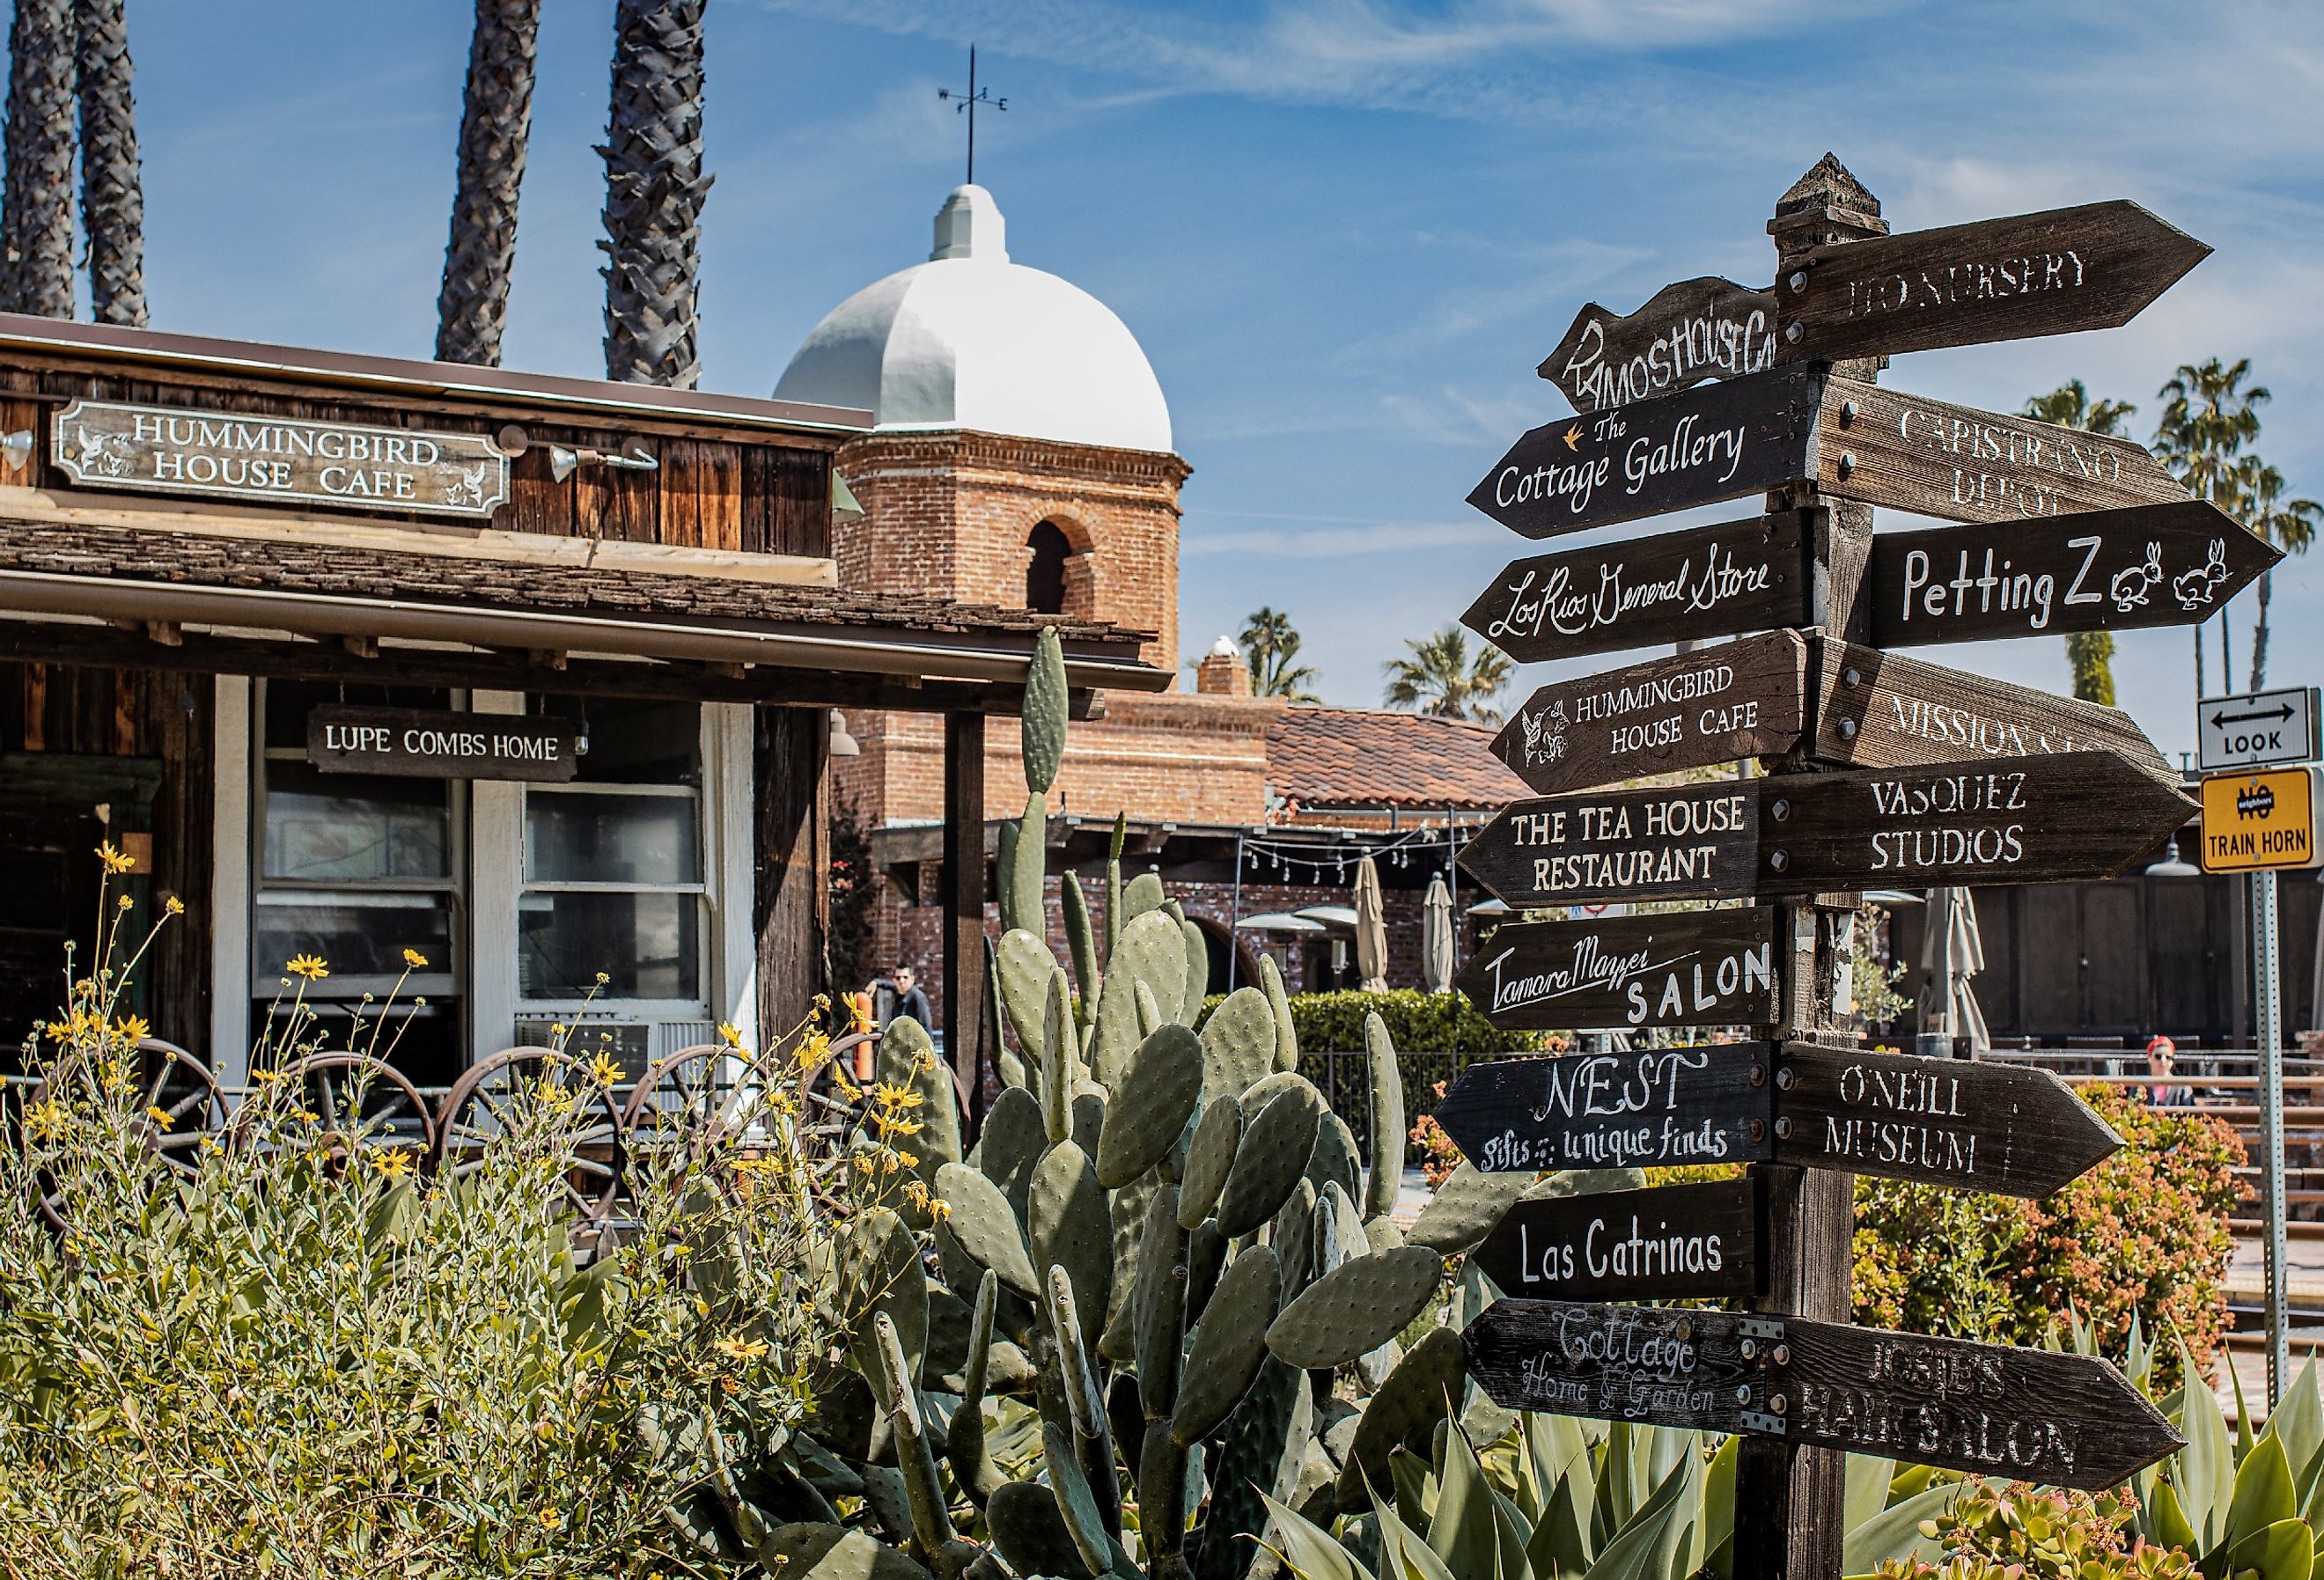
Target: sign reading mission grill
pixel 278 461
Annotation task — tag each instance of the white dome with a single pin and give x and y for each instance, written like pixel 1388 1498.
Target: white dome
pixel 969 339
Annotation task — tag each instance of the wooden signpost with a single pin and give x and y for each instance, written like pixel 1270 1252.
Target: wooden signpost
pixel 1681 968
pixel 1990 1410
pixel 2173 564
pixel 1679 1243
pixel 2004 1129
pixel 2061 817
pixel 1709 581
pixel 2092 267
pixel 1739 699
pixel 1697 329
pixel 1876 771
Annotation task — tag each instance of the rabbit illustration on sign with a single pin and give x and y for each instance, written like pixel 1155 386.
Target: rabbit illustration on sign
pixel 2132 586
pixel 1545 734
pixel 469 489
pixel 2195 587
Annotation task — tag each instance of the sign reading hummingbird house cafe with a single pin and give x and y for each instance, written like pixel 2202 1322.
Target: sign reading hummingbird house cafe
pixel 278 461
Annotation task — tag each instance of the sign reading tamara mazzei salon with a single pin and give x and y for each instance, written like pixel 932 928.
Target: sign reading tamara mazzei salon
pixel 168 449
pixel 415 744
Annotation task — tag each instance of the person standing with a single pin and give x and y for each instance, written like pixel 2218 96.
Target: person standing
pixel 2158 1087
pixel 904 998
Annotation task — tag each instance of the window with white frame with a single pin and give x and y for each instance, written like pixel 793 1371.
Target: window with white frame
pixel 614 877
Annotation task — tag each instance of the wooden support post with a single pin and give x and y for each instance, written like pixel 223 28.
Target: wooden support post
pixel 1790 1501
pixel 792 857
pixel 964 907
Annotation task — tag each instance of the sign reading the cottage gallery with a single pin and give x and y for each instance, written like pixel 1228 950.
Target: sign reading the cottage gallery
pixel 414 744
pixel 278 461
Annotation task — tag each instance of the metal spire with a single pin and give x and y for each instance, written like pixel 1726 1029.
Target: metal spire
pixel 968 102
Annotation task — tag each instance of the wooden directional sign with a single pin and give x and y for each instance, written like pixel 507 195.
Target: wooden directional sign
pixel 2035 819
pixel 1682 968
pixel 1697 329
pixel 1717 442
pixel 1799 422
pixel 433 743
pixel 1877 709
pixel 1740 699
pixel 2093 267
pixel 2106 570
pixel 1708 581
pixel 1637 1110
pixel 1957 463
pixel 1678 1243
pixel 2004 1129
pixel 2029 1415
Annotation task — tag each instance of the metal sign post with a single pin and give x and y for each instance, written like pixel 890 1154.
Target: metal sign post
pixel 2267 1006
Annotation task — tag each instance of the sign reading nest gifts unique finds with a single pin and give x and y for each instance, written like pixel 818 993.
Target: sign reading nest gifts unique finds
pixel 278 460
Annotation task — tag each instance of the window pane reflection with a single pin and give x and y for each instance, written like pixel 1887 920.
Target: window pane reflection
pixel 337 827
pixel 358 937
pixel 648 946
pixel 582 839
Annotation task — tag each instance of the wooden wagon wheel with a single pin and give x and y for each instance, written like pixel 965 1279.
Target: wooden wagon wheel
pixel 478 1108
pixel 361 1104
pixel 169 1079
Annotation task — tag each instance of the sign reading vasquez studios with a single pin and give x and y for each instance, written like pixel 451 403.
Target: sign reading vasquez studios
pixel 278 461
pixel 413 743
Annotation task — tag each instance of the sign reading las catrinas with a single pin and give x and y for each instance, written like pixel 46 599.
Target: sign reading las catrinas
pixel 281 460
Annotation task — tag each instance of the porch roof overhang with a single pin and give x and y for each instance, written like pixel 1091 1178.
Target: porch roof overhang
pixel 76 592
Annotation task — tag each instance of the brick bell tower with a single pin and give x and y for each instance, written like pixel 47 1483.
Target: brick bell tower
pixel 1021 456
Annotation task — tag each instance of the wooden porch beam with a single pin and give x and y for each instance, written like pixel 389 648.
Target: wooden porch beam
pixel 964 907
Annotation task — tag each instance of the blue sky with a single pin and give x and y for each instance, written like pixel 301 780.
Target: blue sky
pixel 1344 230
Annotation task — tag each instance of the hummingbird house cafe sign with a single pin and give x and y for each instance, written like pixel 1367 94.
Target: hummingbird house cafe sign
pixel 280 460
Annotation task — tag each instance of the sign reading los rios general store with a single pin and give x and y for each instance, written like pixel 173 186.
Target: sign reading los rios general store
pixel 415 743
pixel 278 461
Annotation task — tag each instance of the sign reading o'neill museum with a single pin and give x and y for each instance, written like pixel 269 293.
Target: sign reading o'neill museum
pixel 284 461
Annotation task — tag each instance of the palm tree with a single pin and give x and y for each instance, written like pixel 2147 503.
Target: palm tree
pixel 1439 678
pixel 654 188
pixel 112 187
pixel 38 223
pixel 1272 649
pixel 2291 523
pixel 495 120
pixel 2209 416
pixel 2089 654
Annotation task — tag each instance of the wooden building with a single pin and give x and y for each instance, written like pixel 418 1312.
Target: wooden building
pixel 532 676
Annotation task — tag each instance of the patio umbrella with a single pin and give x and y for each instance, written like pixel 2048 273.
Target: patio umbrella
pixel 1371 930
pixel 1436 937
pixel 1952 951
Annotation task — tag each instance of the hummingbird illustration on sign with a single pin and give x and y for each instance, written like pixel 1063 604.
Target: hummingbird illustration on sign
pixel 1573 436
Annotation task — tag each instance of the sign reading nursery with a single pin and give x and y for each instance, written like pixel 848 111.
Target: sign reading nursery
pixel 414 744
pixel 278 461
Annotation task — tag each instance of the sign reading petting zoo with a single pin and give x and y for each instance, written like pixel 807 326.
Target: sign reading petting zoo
pixel 278 461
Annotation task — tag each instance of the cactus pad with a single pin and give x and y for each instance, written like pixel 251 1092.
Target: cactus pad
pixel 1014 1139
pixel 1287 1036
pixel 1159 1305
pixel 1403 1413
pixel 1292 1235
pixel 1229 1343
pixel 1153 950
pixel 1141 894
pixel 1026 966
pixel 1385 1179
pixel 1465 1208
pixel 1208 1156
pixel 1261 1450
pixel 1067 1213
pixel 1358 1306
pixel 1115 1036
pixel 1334 1161
pixel 1238 1043
pixel 1151 1105
pixel 986 1229
pixel 1079 938
pixel 1269 1159
pixel 1198 972
pixel 1041 727
pixel 814 1551
pixel 1031 1533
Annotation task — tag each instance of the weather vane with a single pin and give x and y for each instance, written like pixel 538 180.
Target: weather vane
pixel 968 102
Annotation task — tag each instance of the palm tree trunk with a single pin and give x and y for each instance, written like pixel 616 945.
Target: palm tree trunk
pixel 2198 662
pixel 2259 632
pixel 495 122
pixel 38 228
pixel 112 189
pixel 654 190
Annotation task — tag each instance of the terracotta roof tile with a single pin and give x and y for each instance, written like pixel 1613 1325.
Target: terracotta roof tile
pixel 1363 757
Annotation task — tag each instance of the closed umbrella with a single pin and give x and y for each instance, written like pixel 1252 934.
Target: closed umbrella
pixel 1952 951
pixel 1436 937
pixel 1371 929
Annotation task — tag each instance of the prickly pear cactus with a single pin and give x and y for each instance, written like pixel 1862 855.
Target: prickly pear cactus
pixel 1162 1288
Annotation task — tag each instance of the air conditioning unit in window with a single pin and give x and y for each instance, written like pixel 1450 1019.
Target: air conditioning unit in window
pixel 630 1042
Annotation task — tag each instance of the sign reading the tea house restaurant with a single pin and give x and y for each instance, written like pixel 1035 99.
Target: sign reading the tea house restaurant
pixel 278 461
pixel 415 743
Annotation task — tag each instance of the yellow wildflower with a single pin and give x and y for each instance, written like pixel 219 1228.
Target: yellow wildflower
pixel 115 861
pixel 266 1077
pixel 311 967
pixel 173 905
pixel 893 1096
pixel 134 1028
pixel 602 1070
pixel 603 979
pixel 414 959
pixel 394 1162
pixel 736 1349
pixel 553 1095
pixel 127 904
pixel 889 1125
pixel 160 1115
pixel 730 1035
pixel 44 1121
pixel 866 1164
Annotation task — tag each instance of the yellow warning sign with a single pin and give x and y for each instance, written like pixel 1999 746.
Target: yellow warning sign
pixel 2256 822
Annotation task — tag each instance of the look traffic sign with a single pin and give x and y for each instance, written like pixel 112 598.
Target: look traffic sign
pixel 2260 822
pixel 2259 729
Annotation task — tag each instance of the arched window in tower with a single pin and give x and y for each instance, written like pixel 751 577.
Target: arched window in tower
pixel 1044 573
